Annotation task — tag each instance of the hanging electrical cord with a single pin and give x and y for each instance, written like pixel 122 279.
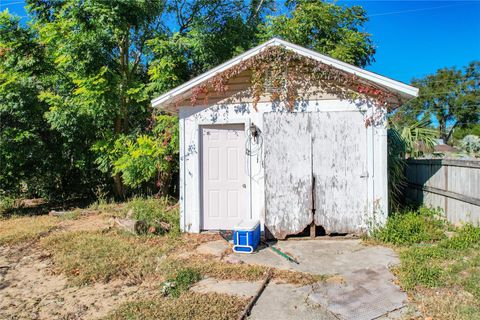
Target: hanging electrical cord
pixel 253 148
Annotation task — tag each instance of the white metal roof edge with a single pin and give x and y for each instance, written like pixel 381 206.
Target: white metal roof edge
pixel 367 75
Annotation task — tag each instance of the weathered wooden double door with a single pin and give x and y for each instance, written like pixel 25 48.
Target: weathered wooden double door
pixel 315 160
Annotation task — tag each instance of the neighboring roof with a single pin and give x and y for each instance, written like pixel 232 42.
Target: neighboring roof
pixel 442 148
pixel 390 84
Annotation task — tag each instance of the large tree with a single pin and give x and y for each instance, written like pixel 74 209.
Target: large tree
pixel 79 76
pixel 331 29
pixel 451 96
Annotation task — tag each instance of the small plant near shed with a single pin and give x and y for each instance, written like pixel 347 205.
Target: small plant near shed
pixel 403 228
pixel 181 282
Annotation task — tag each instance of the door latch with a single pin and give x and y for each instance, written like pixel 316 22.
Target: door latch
pixel 364 175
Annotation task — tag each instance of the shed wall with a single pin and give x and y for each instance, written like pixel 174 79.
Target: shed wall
pixel 192 118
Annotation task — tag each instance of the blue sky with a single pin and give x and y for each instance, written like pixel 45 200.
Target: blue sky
pixel 413 38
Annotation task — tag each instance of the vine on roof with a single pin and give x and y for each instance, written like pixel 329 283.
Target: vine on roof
pixel 293 78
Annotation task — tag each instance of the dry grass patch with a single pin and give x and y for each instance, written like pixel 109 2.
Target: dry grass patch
pixel 447 304
pixel 209 266
pixel 87 257
pixel 16 230
pixel 189 306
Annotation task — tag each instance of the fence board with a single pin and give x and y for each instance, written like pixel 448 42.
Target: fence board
pixel 452 185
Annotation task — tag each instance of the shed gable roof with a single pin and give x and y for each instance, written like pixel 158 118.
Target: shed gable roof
pixel 398 87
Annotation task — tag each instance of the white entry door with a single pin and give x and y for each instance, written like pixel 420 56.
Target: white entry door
pixel 224 178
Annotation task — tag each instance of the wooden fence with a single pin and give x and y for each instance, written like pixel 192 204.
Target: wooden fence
pixel 452 185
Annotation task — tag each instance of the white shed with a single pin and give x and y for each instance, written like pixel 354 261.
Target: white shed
pixel 290 157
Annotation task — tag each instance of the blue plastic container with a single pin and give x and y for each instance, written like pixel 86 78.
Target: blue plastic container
pixel 246 236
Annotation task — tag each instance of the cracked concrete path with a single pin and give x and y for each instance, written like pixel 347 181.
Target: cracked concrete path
pixel 362 289
pixel 282 301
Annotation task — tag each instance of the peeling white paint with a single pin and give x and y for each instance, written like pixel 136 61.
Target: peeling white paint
pixel 375 145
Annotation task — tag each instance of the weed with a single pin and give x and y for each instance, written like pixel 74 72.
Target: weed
pixel 442 274
pixel 181 282
pixel 156 211
pixel 189 306
pixel 466 237
pixel 16 230
pixel 422 226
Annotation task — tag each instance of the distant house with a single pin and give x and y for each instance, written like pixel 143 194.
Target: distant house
pixel 319 161
pixel 441 147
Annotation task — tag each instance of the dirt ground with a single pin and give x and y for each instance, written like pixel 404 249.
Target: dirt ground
pixel 30 290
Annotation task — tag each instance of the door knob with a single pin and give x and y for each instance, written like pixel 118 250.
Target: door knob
pixel 244 186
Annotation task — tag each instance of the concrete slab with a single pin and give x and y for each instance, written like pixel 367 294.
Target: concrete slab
pixel 323 256
pixel 287 301
pixel 214 248
pixel 365 294
pixel 363 287
pixel 230 287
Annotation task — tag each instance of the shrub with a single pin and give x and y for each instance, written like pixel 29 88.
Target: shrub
pixel 471 143
pixel 423 225
pixel 7 204
pixel 155 211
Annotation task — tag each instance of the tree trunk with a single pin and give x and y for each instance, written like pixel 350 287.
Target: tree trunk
pixel 442 126
pixel 449 135
pixel 121 123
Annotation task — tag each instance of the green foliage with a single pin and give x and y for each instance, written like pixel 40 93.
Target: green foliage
pixel 396 165
pixel 442 263
pixel 149 157
pixel 181 282
pixel 405 141
pixel 450 95
pixel 328 28
pixel 429 259
pixel 418 137
pixel 154 211
pixel 75 83
pixel 422 226
pixel 7 204
pixel 471 144
pixel 469 129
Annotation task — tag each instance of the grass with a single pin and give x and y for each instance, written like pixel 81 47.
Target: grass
pixel 211 267
pixel 154 212
pixel 441 274
pixel 412 227
pixel 188 306
pixel 182 281
pixel 21 229
pixel 87 257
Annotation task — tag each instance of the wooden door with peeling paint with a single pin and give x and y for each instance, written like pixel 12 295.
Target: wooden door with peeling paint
pixel 288 196
pixel 339 166
pixel 330 146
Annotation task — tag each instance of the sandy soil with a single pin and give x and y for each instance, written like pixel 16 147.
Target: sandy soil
pixel 29 289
